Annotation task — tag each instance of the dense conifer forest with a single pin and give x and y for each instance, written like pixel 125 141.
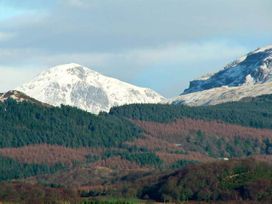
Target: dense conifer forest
pixel 27 123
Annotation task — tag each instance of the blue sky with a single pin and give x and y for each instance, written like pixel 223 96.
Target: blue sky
pixel 161 44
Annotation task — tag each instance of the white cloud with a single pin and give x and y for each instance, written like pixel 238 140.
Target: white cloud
pixel 180 52
pixel 188 52
pixel 173 53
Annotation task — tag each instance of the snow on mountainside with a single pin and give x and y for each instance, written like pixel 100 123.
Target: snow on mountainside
pixel 254 68
pixel 223 94
pixel 249 76
pixel 75 85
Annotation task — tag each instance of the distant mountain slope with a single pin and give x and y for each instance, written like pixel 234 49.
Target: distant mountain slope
pixel 253 68
pixel 75 85
pixel 223 94
pixel 249 76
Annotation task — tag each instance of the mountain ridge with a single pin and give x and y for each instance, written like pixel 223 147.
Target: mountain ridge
pixel 247 76
pixel 255 66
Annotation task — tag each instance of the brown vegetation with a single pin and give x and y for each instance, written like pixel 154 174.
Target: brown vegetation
pixel 154 144
pixel 213 138
pixel 48 154
pixel 184 127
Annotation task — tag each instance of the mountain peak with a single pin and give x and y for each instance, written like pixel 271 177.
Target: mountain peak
pixel 263 49
pixel 68 65
pixel 70 68
pixel 75 85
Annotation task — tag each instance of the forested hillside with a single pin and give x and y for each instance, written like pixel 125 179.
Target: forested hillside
pixel 212 138
pixel 250 112
pixel 136 151
pixel 26 123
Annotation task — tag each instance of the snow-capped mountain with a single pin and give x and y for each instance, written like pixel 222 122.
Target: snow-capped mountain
pixel 79 86
pixel 249 76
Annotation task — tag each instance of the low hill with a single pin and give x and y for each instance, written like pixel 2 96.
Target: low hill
pixel 234 180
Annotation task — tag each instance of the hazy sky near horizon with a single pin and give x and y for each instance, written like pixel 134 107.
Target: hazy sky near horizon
pixel 160 44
